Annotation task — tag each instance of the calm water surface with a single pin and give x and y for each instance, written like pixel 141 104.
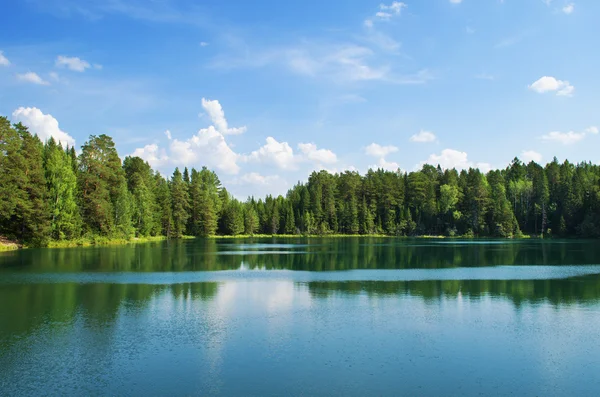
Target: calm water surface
pixel 341 316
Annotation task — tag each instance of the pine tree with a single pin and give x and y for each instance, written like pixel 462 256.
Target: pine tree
pixel 62 192
pixel 181 206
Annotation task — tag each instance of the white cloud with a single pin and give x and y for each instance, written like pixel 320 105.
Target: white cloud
pixel 44 125
pixel 377 150
pixel 423 136
pixel 386 165
pixel 72 63
pixel 455 1
pixel 3 60
pixel 31 77
pixel 571 137
pixel 217 115
pixel 386 12
pixel 530 155
pixel 591 130
pixel 152 154
pixel 551 84
pixel 207 146
pixel 450 158
pixel 203 44
pixel 566 138
pixel 569 8
pixel 282 155
pixel 276 153
pixel 318 155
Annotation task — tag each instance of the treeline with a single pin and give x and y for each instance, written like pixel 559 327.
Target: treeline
pixel 48 192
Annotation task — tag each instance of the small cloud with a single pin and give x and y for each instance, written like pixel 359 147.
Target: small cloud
pixel 317 155
pixel 386 12
pixel 377 150
pixel 551 84
pixel 423 136
pixel 97 66
pixel 54 76
pixel 591 130
pixel 203 44
pixel 31 77
pixel 569 8
pixel 455 1
pixel 72 63
pixel 168 134
pixel 566 138
pixel 530 155
pixel 3 60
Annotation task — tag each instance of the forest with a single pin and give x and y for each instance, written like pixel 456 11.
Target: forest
pixel 50 193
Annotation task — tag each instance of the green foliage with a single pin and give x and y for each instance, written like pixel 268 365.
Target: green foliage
pixel 48 193
pixel 62 192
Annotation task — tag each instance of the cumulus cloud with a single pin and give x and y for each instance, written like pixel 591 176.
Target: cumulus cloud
pixel 551 84
pixel 281 155
pixel 530 155
pixel 450 158
pixel 72 63
pixel 377 150
pixel 207 146
pixel 275 153
pixel 318 155
pixel 152 154
pixel 423 136
pixel 217 115
pixel 31 77
pixel 591 130
pixel 3 60
pixel 44 125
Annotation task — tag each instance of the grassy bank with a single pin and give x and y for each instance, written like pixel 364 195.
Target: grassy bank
pixel 8 245
pixel 104 241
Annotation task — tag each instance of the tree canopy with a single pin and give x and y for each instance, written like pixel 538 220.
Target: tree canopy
pixel 48 192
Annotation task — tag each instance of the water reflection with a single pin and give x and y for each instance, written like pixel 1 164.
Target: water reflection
pixel 326 254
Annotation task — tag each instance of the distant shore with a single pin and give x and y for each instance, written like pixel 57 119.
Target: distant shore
pixel 9 245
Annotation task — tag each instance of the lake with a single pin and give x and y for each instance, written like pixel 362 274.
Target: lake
pixel 303 317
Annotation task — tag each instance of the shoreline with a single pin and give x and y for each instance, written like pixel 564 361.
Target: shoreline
pixel 7 245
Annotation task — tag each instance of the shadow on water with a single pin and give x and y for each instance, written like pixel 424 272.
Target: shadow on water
pixel 315 254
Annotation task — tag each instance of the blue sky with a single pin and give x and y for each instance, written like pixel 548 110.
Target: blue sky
pixel 265 92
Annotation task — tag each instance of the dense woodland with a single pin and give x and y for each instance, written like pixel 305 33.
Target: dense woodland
pixel 48 192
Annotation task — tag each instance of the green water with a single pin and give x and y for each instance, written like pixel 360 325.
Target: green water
pixel 339 316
